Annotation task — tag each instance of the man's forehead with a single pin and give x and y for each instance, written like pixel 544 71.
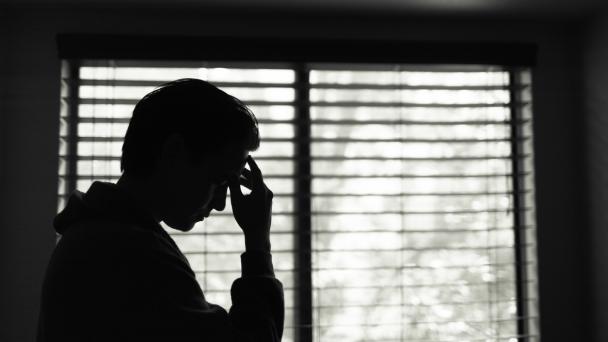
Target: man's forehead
pixel 229 160
pixel 234 161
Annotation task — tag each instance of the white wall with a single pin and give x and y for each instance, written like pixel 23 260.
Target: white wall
pixel 29 132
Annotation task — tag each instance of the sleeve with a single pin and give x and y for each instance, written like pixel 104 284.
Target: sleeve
pixel 258 307
pixel 181 312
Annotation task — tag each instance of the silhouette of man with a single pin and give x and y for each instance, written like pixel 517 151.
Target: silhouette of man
pixel 116 275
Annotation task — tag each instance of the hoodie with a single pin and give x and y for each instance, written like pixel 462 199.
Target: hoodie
pixel 116 275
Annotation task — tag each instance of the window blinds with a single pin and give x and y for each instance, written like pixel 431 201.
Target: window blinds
pixel 413 204
pixel 403 208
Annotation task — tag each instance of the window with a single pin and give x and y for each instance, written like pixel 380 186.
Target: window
pixel 404 204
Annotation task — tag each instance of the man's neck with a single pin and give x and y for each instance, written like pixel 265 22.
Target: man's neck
pixel 143 192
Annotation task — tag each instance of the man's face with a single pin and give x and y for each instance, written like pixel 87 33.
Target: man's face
pixel 196 189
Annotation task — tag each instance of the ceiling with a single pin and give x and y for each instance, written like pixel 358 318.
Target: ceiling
pixel 545 8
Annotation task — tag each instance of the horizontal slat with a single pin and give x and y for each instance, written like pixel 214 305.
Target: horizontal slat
pixel 134 101
pixel 415 122
pixel 405 104
pixel 402 140
pixel 336 140
pixel 529 281
pixel 354 86
pixel 439 159
pixel 415 194
pixel 102 101
pixel 421 249
pixel 419 231
pixel 337 250
pixel 404 194
pixel 126 120
pixel 489 175
pixel 390 305
pixel 344 122
pixel 342 176
pixel 409 305
pixel 424 194
pixel 416 267
pixel 505 338
pixel 153 83
pixel 379 268
pixel 117 174
pixel 404 86
pixel 386 287
pixel 340 122
pixel 355 231
pixel 412 323
pixel 390 286
pixel 334 158
pixel 403 214
pixel 398 212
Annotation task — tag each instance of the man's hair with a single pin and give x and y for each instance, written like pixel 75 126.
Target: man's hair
pixel 206 118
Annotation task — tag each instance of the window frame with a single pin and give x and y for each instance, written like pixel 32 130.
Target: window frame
pixel 300 54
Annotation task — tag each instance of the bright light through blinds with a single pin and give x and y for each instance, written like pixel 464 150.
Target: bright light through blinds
pixel 412 206
pixel 416 229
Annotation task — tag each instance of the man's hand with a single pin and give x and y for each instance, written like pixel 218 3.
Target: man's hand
pixel 252 212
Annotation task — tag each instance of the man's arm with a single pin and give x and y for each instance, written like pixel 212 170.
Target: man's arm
pixel 257 297
pixel 257 311
pixel 181 313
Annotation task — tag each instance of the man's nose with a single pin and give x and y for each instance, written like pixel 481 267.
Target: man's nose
pixel 219 198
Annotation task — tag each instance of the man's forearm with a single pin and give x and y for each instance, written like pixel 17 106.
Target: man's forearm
pixel 254 263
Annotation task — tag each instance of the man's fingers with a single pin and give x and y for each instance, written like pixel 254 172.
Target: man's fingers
pixel 254 174
pixel 235 187
pixel 255 169
pixel 245 179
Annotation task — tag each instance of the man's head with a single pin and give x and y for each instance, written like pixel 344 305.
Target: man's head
pixel 187 137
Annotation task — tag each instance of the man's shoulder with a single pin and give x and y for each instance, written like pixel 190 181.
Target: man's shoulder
pixel 92 238
pixel 103 251
pixel 101 229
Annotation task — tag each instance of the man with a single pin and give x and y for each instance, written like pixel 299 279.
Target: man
pixel 116 275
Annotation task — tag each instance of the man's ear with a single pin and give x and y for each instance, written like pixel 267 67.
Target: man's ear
pixel 173 149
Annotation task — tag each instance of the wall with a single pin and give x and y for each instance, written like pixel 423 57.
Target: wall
pixel 29 154
pixel 596 140
pixel 30 131
pixel 3 252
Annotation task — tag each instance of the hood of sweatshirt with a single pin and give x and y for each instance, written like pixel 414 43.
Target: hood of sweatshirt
pixel 102 201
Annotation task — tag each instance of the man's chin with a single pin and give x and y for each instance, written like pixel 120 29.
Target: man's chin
pixel 182 225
